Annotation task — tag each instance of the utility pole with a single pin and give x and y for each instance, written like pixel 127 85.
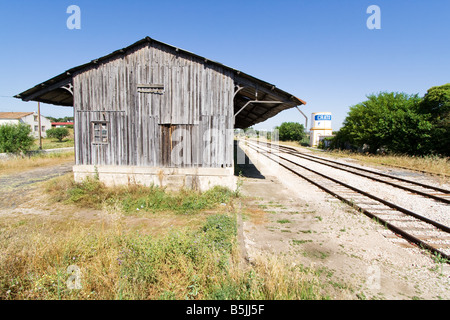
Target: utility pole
pixel 39 117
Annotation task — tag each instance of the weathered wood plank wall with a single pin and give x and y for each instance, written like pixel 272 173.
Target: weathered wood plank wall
pixel 192 114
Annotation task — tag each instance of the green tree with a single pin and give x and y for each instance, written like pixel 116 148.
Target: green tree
pixel 436 104
pixel 390 121
pixel 291 131
pixel 58 133
pixel 15 138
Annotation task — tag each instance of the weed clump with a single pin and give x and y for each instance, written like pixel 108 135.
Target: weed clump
pixel 92 193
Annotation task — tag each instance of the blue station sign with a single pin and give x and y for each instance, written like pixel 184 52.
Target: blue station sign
pixel 322 117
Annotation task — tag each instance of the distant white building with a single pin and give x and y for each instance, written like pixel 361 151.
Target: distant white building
pixel 30 118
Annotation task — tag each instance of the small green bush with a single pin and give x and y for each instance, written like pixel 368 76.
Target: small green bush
pixel 291 131
pixel 58 133
pixel 15 138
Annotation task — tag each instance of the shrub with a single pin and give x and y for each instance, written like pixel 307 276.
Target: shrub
pixel 15 138
pixel 58 133
pixel 389 121
pixel 436 104
pixel 291 131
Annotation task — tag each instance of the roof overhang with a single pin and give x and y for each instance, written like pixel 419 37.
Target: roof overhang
pixel 254 100
pixel 57 91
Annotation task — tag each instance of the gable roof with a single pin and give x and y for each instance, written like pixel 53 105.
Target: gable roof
pixel 14 115
pixel 57 90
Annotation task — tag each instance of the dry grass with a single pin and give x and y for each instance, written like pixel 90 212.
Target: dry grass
pixel 37 253
pixel 116 263
pixel 429 164
pixel 273 278
pixel 19 163
pixel 137 255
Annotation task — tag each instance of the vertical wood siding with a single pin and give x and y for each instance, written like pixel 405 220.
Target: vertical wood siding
pixel 193 117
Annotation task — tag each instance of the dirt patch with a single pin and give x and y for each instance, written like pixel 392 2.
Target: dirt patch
pixel 16 188
pixel 355 257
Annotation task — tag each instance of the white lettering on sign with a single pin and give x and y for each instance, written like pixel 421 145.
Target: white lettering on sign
pixel 322 117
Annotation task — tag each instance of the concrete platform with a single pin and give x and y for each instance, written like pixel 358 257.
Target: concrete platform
pixel 200 179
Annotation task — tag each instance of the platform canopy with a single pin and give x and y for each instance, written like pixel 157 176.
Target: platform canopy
pixel 254 100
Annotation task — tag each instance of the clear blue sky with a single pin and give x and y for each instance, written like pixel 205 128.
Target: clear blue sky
pixel 320 51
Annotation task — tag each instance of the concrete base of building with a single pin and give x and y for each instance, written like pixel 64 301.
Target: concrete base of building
pixel 200 179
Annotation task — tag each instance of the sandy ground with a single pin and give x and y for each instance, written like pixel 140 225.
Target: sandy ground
pixel 356 257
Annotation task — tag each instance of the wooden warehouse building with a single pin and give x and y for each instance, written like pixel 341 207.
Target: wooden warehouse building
pixel 154 113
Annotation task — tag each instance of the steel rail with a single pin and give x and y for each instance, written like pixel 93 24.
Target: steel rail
pixel 367 170
pixel 387 224
pixel 380 173
pixel 422 185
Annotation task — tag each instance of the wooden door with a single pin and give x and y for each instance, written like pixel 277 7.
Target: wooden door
pixel 166 144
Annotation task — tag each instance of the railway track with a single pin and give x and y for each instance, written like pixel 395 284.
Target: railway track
pixel 425 190
pixel 416 228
